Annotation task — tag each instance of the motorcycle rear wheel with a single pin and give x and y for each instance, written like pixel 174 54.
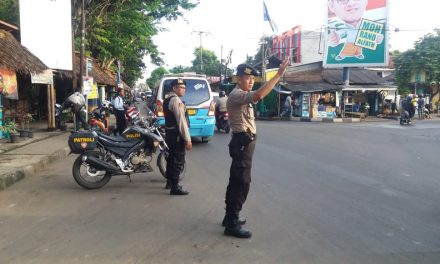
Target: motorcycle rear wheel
pixel 87 176
pixel 162 164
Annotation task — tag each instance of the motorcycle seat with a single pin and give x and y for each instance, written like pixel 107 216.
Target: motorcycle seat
pixel 118 141
pixel 117 138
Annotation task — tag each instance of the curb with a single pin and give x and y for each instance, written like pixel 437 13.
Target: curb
pixel 9 178
pixel 318 119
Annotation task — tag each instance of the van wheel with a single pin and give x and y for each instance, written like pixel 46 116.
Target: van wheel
pixel 206 139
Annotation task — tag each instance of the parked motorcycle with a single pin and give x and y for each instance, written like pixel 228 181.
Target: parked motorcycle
pixel 151 124
pixel 132 115
pixel 102 156
pixel 222 122
pixel 98 119
pixel 60 119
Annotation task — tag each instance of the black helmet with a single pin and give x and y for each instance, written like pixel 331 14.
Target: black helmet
pixel 222 94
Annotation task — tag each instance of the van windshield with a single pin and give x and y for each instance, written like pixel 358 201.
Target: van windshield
pixel 197 91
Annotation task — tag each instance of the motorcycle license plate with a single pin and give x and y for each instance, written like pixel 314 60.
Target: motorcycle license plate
pixel 191 111
pixel 225 118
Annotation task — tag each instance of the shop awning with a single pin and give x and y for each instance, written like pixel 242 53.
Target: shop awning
pixel 369 88
pixel 280 89
pixel 310 87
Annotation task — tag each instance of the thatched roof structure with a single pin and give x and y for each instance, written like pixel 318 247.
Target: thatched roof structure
pixel 16 57
pixel 100 75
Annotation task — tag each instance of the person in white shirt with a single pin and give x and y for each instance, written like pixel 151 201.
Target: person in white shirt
pixel 119 110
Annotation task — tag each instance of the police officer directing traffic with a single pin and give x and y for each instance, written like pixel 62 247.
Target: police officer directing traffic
pixel 177 135
pixel 242 144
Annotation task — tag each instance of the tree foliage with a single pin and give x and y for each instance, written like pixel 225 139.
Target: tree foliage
pixel 123 30
pixel 155 76
pixel 180 69
pixel 425 56
pixel 211 64
pixel 9 11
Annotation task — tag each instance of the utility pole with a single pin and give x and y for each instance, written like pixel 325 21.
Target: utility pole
pixel 263 62
pixel 200 33
pixel 81 52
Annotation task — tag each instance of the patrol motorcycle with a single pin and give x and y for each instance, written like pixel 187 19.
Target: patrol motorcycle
pixel 152 125
pixel 102 156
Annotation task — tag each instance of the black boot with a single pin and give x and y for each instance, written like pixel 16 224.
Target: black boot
pixel 241 221
pixel 234 229
pixel 168 185
pixel 178 190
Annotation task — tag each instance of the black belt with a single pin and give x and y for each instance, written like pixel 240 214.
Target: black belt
pixel 244 132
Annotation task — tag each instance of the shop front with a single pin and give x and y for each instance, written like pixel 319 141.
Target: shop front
pixel 362 101
pixel 314 100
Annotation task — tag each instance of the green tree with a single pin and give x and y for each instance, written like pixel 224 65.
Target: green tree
pixel 9 11
pixel 258 57
pixel 123 30
pixel 425 56
pixel 180 69
pixel 155 77
pixel 211 64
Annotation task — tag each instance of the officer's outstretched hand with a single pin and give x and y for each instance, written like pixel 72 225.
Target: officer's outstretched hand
pixel 188 145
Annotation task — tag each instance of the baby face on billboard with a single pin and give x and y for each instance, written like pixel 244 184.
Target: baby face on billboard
pixel 350 11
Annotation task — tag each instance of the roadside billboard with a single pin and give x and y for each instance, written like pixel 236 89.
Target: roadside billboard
pixel 356 34
pixel 46 30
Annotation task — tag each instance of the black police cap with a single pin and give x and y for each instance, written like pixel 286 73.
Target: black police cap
pixel 245 69
pixel 178 81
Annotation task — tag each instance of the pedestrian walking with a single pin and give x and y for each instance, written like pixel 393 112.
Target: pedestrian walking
pixel 77 104
pixel 421 107
pixel 242 144
pixel 119 109
pixel 177 135
pixel 287 108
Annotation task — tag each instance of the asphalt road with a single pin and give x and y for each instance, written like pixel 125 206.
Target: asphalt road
pixel 321 193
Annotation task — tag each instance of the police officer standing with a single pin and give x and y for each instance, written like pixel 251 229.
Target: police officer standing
pixel 177 135
pixel 121 123
pixel 242 144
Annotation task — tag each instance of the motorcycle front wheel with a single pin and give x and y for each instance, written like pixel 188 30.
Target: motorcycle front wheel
pixel 162 164
pixel 86 175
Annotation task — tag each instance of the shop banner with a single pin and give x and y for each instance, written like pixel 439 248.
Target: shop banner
pixel 87 85
pixel 8 84
pixel 356 34
pixel 45 77
pixel 94 93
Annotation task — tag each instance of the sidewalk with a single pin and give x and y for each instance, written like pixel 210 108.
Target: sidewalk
pixel 25 158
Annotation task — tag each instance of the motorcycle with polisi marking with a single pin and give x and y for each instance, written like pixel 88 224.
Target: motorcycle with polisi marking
pixel 151 123
pixel 102 156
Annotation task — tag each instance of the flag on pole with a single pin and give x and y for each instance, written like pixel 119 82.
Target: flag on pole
pixel 267 18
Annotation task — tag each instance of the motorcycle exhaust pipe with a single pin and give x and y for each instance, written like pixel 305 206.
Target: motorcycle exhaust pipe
pixel 100 164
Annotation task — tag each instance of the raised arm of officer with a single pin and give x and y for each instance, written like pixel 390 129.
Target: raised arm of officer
pixel 178 109
pixel 268 86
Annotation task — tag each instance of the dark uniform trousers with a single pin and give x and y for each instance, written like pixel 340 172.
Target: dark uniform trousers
pixel 121 123
pixel 241 150
pixel 176 157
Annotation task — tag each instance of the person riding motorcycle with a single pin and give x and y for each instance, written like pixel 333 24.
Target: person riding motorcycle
pixel 221 106
pixel 408 108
